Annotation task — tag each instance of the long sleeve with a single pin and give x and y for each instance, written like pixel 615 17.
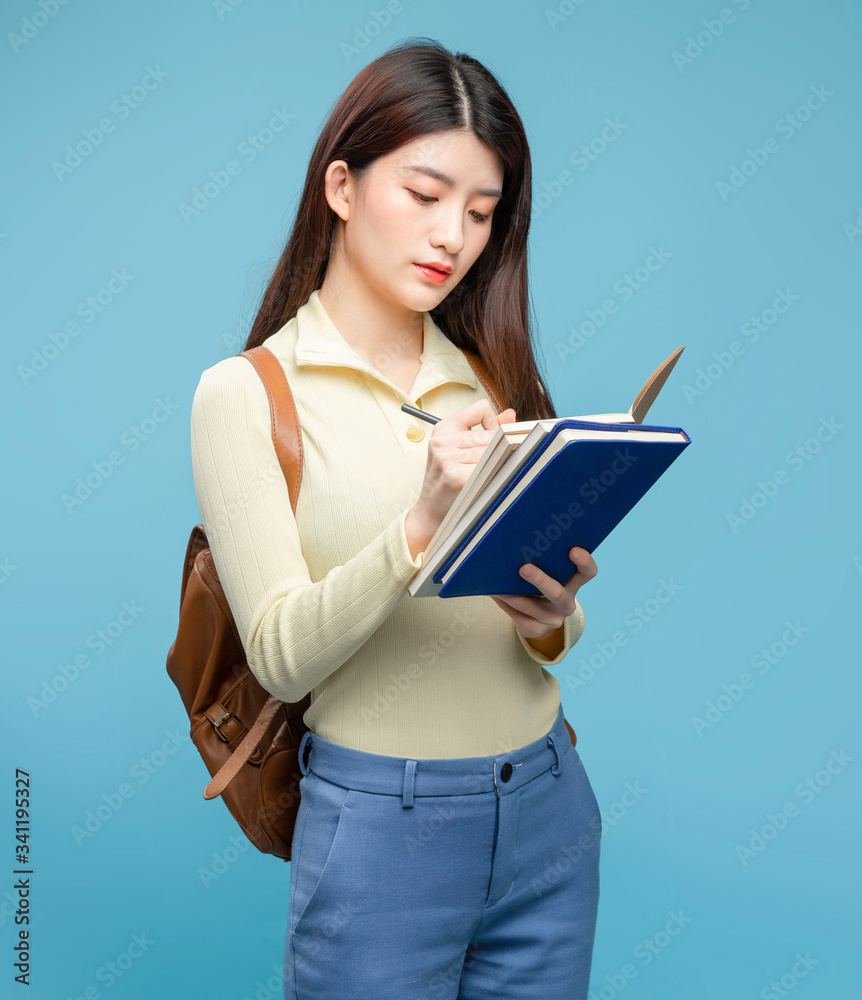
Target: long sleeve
pixel 296 631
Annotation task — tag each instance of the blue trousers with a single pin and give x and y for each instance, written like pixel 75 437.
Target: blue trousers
pixel 446 879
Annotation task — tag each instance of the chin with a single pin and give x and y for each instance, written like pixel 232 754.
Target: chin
pixel 420 299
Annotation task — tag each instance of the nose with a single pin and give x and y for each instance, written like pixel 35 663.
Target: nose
pixel 448 231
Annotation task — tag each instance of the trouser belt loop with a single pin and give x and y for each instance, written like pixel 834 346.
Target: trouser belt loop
pixel 407 795
pixel 304 747
pixel 552 743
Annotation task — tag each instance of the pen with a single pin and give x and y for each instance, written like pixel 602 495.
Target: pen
pixel 419 413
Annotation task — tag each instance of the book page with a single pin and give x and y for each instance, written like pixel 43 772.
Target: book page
pixel 484 489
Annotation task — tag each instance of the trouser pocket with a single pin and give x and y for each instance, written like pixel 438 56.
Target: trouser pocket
pixel 315 839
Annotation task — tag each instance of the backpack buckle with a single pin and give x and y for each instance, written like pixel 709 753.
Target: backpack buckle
pixel 220 722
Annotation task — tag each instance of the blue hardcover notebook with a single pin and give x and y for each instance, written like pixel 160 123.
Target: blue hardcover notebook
pixel 578 498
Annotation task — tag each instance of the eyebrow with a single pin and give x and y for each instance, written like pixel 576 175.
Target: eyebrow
pixel 437 175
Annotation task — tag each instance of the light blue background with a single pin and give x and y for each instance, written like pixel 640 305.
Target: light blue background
pixel 191 295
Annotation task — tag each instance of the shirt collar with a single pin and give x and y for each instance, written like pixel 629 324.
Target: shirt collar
pixel 319 342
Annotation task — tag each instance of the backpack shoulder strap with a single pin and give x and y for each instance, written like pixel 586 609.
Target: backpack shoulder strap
pixel 485 378
pixel 286 435
pixel 288 446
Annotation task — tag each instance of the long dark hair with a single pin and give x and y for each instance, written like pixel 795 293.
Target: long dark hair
pixel 417 87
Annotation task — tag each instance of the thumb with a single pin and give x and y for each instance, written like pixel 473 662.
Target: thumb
pixel 507 416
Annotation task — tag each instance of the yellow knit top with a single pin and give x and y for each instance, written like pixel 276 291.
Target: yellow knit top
pixel 320 598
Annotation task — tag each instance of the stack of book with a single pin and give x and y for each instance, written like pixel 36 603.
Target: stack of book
pixel 542 486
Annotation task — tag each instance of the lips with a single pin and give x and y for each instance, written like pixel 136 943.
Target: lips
pixel 437 266
pixel 432 273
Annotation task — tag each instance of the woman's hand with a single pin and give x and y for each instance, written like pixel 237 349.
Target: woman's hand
pixel 535 617
pixel 454 448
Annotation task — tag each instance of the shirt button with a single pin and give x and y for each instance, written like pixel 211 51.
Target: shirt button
pixel 415 433
pixel 506 771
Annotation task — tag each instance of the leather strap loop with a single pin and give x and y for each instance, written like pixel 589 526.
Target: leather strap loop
pixel 229 769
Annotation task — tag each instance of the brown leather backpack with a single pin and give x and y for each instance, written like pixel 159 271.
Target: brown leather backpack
pixel 248 738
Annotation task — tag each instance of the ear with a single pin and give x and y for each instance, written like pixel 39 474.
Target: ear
pixel 338 187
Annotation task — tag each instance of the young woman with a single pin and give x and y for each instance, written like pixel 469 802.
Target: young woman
pixel 447 839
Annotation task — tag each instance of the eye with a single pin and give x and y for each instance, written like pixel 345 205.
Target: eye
pixel 425 199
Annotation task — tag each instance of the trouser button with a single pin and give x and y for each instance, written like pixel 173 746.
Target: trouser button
pixel 506 771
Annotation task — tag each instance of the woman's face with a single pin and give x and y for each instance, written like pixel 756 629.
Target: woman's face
pixel 427 202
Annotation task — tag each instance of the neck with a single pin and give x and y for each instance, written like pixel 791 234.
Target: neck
pixel 374 326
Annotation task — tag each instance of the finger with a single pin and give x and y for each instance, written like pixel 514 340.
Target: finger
pixel 557 600
pixel 525 623
pixel 480 412
pixel 550 588
pixel 460 441
pixel 585 570
pixel 538 611
pixel 584 562
pixel 469 455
